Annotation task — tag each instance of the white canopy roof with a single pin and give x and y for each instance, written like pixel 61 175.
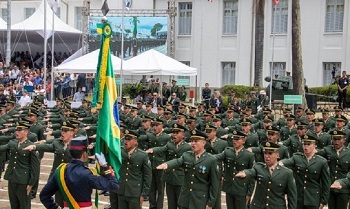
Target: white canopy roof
pixel 86 64
pixel 152 62
pixel 3 24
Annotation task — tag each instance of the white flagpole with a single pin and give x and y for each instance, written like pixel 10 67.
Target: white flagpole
pixel 45 45
pixel 122 54
pixel 273 54
pixel 53 52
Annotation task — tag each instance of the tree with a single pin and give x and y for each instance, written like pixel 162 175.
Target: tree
pixel 157 27
pixel 259 8
pixel 298 71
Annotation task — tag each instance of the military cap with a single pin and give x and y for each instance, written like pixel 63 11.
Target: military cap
pixel 148 104
pixel 230 111
pixel 32 112
pixel 180 115
pixel 84 101
pixel 207 113
pixel 22 126
pixel 191 108
pixel 301 124
pixel 216 118
pixel 286 110
pixel 211 108
pixel 272 129
pixel 242 113
pixel 72 116
pixel 318 121
pixel 157 121
pixel 300 108
pixel 129 134
pixel 195 134
pixel 78 143
pixel 200 104
pixel 178 127
pixel 248 108
pixel 310 111
pixel 167 111
pixel 126 106
pixel 139 102
pixel 238 133
pixel 24 120
pixel 268 119
pixel 308 138
pixel 266 109
pixel 190 118
pixel 160 107
pixel 324 110
pixel 337 108
pixel 67 125
pixel 291 116
pixel 341 118
pixel 182 105
pixel 173 81
pixel 270 146
pixel 146 118
pixel 210 127
pixel 336 133
pixel 245 120
pixel 134 108
pixel 168 104
pixel 75 123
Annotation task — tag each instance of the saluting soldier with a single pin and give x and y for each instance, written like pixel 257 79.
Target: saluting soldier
pixel 324 139
pixel 281 122
pixel 267 121
pixel 173 178
pixel 310 116
pixel 235 159
pixel 134 121
pixel 294 142
pixel 329 123
pixel 311 173
pixel 135 175
pixel 289 129
pixel 200 188
pixel 274 182
pixel 300 115
pixel 23 168
pixel 220 131
pixel 77 180
pixel 340 122
pixel 229 120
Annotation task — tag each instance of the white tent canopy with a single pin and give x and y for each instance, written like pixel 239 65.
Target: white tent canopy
pixel 152 62
pixel 3 24
pixel 86 64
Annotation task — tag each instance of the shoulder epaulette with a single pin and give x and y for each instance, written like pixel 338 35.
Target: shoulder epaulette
pixel 93 170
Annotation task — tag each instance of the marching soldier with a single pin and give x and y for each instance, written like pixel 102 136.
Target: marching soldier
pixel 235 159
pixel 134 121
pixel 281 122
pixel 220 131
pixel 340 122
pixel 310 116
pixel 338 158
pixel 324 139
pixel 78 181
pixel 273 181
pixel 173 178
pixel 329 123
pixel 294 142
pixel 200 188
pixel 289 129
pixel 311 173
pixel 300 115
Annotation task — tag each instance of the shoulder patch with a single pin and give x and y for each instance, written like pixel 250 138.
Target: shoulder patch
pixel 93 171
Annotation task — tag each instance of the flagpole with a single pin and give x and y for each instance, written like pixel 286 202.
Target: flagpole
pixel 273 52
pixel 8 41
pixel 53 52
pixel 122 54
pixel 45 44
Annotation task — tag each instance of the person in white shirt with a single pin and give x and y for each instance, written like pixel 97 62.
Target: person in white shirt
pixel 27 82
pixel 79 95
pixel 25 99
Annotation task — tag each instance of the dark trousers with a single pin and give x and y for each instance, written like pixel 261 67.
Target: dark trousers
pixel 173 193
pixel 342 98
pixel 156 193
pixel 338 200
pixel 218 200
pixel 306 207
pixel 235 201
pixel 18 196
pixel 129 202
pixel 113 199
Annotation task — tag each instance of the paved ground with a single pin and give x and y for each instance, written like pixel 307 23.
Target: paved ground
pixel 44 174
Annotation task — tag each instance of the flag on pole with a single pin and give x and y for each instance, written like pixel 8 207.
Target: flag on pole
pixel 275 2
pixel 105 8
pixel 105 99
pixel 128 4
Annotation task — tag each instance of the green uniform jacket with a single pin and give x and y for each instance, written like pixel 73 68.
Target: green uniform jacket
pixel 135 174
pixel 133 123
pixel 285 132
pixel 39 130
pixel 312 178
pixel 201 183
pixel 220 131
pixel 294 144
pixel 329 124
pixel 157 141
pixel 232 165
pixel 324 139
pixel 61 155
pixel 174 176
pixel 271 189
pixel 259 155
pixel 339 166
pixel 23 165
pixel 229 122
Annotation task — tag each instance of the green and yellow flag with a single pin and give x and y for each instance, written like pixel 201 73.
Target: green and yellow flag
pixel 105 99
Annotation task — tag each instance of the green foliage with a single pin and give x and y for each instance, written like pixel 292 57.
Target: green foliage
pixel 328 93
pixel 132 90
pixel 240 89
pixel 157 27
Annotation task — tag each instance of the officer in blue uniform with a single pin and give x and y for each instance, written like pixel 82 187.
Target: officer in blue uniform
pixel 78 179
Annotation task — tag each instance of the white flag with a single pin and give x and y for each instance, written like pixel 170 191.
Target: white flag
pixel 54 5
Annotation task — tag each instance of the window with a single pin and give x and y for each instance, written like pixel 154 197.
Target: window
pixel 185 18
pixel 29 11
pixel 281 14
pixel 4 14
pixel 279 69
pixel 334 16
pixel 230 17
pixel 330 71
pixel 184 80
pixel 78 24
pixel 228 73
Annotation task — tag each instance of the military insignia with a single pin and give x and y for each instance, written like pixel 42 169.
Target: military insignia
pixel 306 137
pixel 194 132
pixel 234 132
pixel 202 169
pixel 64 123
pixel 244 120
pixel 268 144
pixel 126 131
pixel 214 117
pixel 175 125
pixel 334 132
pixel 316 120
pixel 270 127
pixel 299 123
pixel 207 126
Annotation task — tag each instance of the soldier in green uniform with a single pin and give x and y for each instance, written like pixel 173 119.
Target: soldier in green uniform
pixel 206 120
pixel 220 131
pixel 294 142
pixel 145 132
pixel 338 158
pixel 23 169
pixel 229 120
pixel 252 138
pixel 61 149
pixel 300 115
pixel 267 121
pixel 140 109
pixel 149 112
pixel 311 173
pixel 235 159
pixel 274 182
pixel 281 122
pixel 160 112
pixel 200 187
pixel 329 123
pixel 173 178
pixel 340 122
pixel 324 139
pixel 289 129
pixel 168 120
pixel 134 121
pixel 174 88
pixel 135 175
pixel 310 116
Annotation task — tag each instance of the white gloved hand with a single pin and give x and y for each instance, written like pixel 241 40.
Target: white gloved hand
pixel 101 158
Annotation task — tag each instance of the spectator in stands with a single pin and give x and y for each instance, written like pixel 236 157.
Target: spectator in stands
pixel 27 82
pixel 6 79
pixel 14 73
pixel 65 86
pixel 79 95
pixel 81 82
pixel 182 93
pixel 3 97
pixel 25 99
pixel 216 101
pixel 37 80
pixel 57 86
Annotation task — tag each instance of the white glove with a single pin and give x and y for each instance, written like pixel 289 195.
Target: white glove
pixel 101 158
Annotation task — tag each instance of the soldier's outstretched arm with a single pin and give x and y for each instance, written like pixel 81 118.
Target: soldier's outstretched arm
pixel 291 191
pixel 147 177
pixel 325 184
pixel 214 184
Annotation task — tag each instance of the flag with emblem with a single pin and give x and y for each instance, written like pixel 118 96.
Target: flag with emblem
pixel 275 2
pixel 105 99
